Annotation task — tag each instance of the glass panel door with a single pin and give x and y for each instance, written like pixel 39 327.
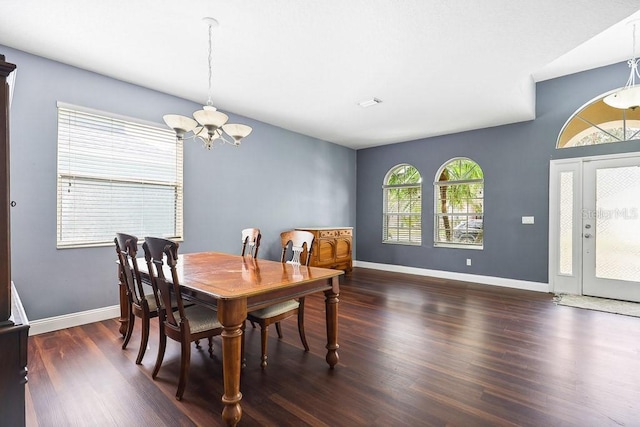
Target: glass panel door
pixel 611 229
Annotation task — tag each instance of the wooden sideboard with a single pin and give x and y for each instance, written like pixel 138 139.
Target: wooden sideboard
pixel 332 247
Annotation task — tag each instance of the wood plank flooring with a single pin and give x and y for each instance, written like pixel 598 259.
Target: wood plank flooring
pixel 414 351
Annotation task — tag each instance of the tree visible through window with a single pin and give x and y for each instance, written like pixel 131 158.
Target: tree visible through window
pixel 403 206
pixel 459 204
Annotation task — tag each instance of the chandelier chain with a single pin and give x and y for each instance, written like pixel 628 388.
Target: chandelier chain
pixel 633 54
pixel 210 101
pixel 633 63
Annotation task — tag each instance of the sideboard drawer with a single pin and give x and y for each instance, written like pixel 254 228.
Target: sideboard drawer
pixel 328 233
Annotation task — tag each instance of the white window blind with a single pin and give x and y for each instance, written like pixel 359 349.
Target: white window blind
pixel 116 174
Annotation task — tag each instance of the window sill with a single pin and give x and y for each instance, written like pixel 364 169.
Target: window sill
pixel 458 246
pixel 389 242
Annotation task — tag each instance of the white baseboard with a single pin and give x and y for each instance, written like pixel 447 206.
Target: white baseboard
pixel 464 277
pixel 73 319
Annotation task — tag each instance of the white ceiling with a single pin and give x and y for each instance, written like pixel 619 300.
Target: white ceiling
pixel 439 66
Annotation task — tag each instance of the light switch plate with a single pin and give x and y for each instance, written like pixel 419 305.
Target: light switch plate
pixel 527 220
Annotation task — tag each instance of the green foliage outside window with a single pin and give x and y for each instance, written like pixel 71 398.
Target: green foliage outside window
pixel 460 203
pixel 403 205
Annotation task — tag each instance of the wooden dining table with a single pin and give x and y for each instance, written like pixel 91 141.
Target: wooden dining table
pixel 235 285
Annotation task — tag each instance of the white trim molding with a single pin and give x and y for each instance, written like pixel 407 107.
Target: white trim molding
pixel 464 277
pixel 73 319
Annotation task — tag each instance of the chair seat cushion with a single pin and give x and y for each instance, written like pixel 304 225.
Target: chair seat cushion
pixel 151 300
pixel 200 318
pixel 275 309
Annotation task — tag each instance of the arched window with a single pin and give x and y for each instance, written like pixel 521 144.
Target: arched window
pixel 597 123
pixel 459 204
pixel 402 221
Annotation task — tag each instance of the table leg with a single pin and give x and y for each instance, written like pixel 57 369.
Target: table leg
pixel 231 314
pixel 331 310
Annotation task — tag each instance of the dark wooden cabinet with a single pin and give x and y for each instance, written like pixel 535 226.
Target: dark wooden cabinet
pixel 14 326
pixel 332 247
pixel 13 365
pixel 5 223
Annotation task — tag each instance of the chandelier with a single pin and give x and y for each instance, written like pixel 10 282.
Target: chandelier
pixel 210 125
pixel 629 95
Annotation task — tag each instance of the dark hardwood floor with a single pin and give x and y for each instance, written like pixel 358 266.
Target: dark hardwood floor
pixel 414 351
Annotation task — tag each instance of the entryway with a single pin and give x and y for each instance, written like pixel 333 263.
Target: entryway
pixel 594 224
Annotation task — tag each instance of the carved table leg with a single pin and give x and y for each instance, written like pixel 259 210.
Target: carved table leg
pixel 231 314
pixel 331 310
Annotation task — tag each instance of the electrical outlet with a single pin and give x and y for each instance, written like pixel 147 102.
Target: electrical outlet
pixel 468 261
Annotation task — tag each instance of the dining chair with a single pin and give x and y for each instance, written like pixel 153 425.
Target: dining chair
pixel 250 245
pixel 296 249
pixel 251 242
pixel 140 304
pixel 186 325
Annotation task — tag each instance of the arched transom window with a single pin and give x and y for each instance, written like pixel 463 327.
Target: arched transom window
pixel 598 123
pixel 402 222
pixel 459 204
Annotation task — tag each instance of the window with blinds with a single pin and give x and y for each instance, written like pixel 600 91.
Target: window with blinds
pixel 402 216
pixel 459 204
pixel 116 174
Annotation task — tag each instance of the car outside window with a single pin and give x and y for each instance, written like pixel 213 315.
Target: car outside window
pixel 459 205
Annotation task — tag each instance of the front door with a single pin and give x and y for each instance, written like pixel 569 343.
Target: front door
pixel 611 228
pixel 594 226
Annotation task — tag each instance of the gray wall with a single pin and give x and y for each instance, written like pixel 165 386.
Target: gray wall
pixel 515 160
pixel 276 180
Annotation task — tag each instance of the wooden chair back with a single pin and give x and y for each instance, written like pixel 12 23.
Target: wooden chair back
pixel 127 248
pixel 297 246
pixel 251 241
pixel 157 252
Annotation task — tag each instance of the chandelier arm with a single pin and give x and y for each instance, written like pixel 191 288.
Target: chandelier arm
pixel 194 137
pixel 225 139
pixel 632 74
pixel 206 142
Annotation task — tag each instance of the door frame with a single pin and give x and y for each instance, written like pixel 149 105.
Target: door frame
pixel 570 282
